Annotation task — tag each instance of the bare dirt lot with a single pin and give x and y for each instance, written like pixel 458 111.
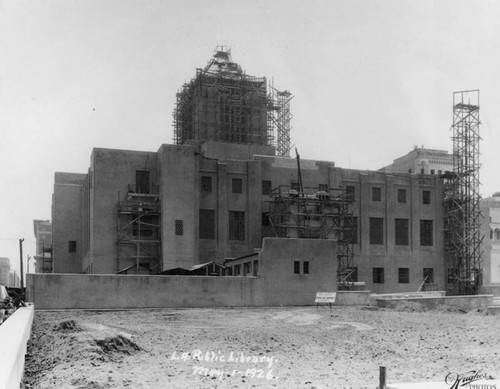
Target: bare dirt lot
pixel 306 347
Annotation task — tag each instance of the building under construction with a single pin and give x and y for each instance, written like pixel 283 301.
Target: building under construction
pixel 224 104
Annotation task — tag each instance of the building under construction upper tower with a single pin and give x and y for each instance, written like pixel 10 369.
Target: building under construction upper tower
pixel 224 104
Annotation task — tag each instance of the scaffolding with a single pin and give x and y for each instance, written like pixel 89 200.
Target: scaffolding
pixel 463 237
pixel 139 243
pixel 296 212
pixel 224 104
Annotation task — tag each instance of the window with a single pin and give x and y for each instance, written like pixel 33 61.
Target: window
pixel 236 225
pixel 295 186
pixel 72 246
pixel 255 268
pixel 179 227
pixel 428 275
pixel 426 197
pixel 237 270
pixel 497 234
pixel 207 224
pixel 401 233
pixel 376 230
pixel 450 277
pixel 265 219
pixel 440 172
pixel 142 181
pixel 266 187
pixel 404 275
pixel 246 268
pixel 323 187
pixel 401 195
pixel 378 275
pixel 376 193
pixel 409 171
pixel 421 171
pixel 352 230
pixel 350 192
pixel 305 267
pixel 426 233
pixel 432 171
pixel 237 185
pixel 206 183
pixel 296 267
pixel 229 271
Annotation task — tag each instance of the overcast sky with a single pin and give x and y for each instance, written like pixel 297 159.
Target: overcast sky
pixel 371 80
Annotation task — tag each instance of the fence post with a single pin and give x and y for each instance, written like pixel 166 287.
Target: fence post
pixel 382 377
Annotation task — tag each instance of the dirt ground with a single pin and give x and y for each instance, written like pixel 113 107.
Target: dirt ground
pixel 303 347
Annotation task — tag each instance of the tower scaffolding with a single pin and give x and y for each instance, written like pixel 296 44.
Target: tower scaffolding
pixel 462 211
pixel 280 117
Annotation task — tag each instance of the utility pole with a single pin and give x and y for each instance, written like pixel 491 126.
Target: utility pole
pixel 21 259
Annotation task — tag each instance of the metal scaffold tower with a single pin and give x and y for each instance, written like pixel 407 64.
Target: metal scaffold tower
pixel 280 119
pixel 462 212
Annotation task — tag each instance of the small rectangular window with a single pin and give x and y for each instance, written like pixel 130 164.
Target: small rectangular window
pixel 429 275
pixel 426 233
pixel 295 186
pixel 237 270
pixel 179 227
pixel 404 275
pixel 265 219
pixel 237 185
pixel 266 187
pixel 206 183
pixel 255 268
pixel 229 271
pixel 323 187
pixel 376 193
pixel 352 230
pixel 422 171
pixel 296 267
pixel 401 195
pixel 426 197
pixel 72 246
pixel 378 275
pixel 246 268
pixel 142 181
pixel 432 171
pixel 350 192
pixel 376 230
pixel 305 267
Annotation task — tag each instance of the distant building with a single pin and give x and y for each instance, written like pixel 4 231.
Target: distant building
pixel 4 271
pixel 422 161
pixel 14 280
pixel 43 236
pixel 209 198
pixel 491 256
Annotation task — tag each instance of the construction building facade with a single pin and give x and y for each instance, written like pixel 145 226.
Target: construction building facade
pixel 228 182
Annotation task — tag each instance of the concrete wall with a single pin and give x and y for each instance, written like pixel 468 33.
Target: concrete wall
pixel 279 286
pixel 14 335
pixel 67 222
pixel 466 303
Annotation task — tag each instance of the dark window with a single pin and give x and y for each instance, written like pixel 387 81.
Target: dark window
pixel 426 197
pixel 421 171
pixel 237 184
pixel 432 171
pixel 401 195
pixel 323 187
pixel 305 267
pixel 229 271
pixel 179 227
pixel 401 227
pixel 352 229
pixel 428 275
pixel 295 186
pixel 426 233
pixel 236 225
pixel 409 171
pixel 296 267
pixel 265 219
pixel 404 275
pixel 207 224
pixel 376 230
pixel 266 187
pixel 206 183
pixel 378 275
pixel 376 194
pixel 350 192
pixel 246 268
pixel 255 268
pixel 72 246
pixel 237 270
pixel 142 181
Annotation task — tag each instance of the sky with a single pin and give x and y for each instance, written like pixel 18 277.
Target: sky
pixel 371 80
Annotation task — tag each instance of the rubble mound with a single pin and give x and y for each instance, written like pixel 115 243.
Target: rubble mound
pixel 449 308
pixel 410 306
pixel 68 326
pixel 117 345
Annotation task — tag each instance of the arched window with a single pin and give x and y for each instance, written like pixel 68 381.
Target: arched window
pixel 497 234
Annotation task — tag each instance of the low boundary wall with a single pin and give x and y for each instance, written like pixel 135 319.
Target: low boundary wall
pixel 466 303
pixel 14 335
pixel 355 297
